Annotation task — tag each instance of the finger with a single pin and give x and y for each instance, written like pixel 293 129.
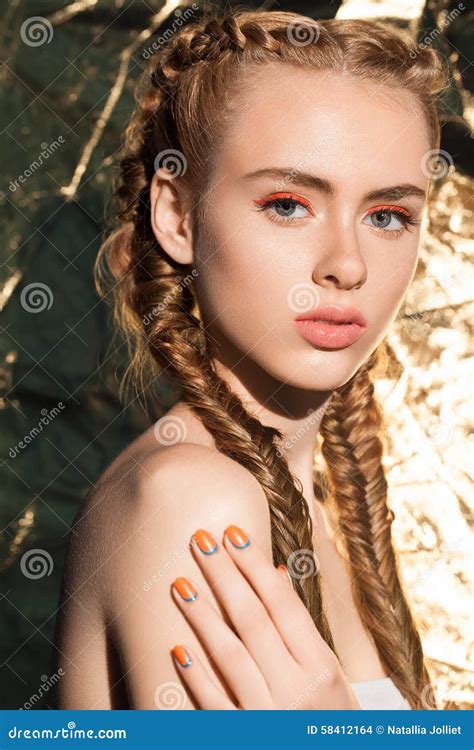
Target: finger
pixel 284 572
pixel 228 652
pixel 196 677
pixel 288 612
pixel 244 608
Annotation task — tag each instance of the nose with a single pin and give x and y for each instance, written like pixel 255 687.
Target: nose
pixel 339 261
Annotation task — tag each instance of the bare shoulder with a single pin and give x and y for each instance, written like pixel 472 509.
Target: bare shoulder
pixel 147 516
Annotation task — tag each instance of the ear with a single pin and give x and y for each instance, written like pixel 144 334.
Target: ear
pixel 170 222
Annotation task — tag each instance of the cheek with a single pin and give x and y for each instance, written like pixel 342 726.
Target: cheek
pixel 240 283
pixel 390 278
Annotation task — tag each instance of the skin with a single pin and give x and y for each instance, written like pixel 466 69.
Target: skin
pixel 359 138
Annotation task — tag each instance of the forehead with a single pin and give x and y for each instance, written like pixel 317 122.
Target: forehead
pixel 340 125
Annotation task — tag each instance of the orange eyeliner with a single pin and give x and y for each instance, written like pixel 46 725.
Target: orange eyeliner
pixel 282 196
pixel 397 209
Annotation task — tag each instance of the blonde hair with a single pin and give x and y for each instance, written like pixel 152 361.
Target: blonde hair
pixel 185 103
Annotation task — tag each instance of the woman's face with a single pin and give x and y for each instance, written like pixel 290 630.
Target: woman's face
pixel 326 241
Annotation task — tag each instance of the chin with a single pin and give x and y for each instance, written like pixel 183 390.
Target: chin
pixel 318 370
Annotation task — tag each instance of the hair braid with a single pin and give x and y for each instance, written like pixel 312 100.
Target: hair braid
pixel 353 450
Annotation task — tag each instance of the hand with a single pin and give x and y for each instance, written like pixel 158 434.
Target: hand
pixel 276 659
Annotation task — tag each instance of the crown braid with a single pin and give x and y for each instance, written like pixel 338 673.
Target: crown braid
pixel 182 105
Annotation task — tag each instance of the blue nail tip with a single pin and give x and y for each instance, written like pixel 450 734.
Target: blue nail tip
pixel 210 551
pixel 190 599
pixel 241 546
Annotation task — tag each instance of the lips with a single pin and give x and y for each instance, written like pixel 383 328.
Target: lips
pixel 335 314
pixel 331 326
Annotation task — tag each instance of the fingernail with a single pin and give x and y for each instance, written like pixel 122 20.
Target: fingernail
pixel 205 541
pixel 238 537
pixel 185 589
pixel 182 656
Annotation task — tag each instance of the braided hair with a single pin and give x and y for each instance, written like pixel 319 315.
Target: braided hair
pixel 185 101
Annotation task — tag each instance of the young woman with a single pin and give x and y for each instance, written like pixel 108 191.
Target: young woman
pixel 272 186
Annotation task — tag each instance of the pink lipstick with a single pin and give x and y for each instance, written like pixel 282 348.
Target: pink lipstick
pixel 331 326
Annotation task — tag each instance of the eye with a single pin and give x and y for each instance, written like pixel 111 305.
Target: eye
pixel 383 218
pixel 285 208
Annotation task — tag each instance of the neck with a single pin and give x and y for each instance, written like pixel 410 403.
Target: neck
pixel 297 413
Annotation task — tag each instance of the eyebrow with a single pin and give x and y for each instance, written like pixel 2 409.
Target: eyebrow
pixel 295 177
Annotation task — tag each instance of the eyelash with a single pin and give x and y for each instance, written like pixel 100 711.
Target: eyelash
pixel 267 203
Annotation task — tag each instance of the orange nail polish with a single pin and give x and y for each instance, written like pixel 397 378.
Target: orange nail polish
pixel 283 567
pixel 185 589
pixel 205 541
pixel 182 656
pixel 238 537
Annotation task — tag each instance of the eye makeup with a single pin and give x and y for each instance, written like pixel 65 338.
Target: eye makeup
pixel 288 201
pixel 279 200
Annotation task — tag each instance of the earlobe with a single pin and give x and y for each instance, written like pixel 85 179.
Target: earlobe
pixel 169 222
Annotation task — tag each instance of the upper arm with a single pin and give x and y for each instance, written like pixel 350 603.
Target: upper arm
pixel 187 488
